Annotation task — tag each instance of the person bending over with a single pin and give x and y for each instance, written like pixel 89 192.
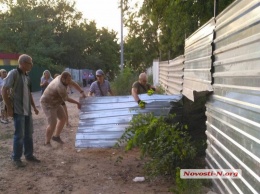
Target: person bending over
pixel 141 87
pixel 51 101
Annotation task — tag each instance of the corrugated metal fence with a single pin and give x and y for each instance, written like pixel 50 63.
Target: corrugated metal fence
pixel 233 110
pixel 171 75
pixel 198 61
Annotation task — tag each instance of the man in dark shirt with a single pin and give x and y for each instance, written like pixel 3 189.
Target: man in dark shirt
pixel 141 87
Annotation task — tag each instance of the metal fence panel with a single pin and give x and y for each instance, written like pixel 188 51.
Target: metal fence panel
pixel 171 75
pixel 198 61
pixel 233 112
pixel 155 72
pixel 103 120
pixel 175 76
pixel 163 73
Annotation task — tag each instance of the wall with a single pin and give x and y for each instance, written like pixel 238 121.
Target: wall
pixel 233 111
pixel 222 62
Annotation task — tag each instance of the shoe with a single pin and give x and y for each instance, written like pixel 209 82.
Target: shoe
pixel 33 159
pixel 47 144
pixel 4 121
pixel 18 163
pixel 57 139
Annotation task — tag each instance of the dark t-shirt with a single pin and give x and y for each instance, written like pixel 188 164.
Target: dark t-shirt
pixel 141 89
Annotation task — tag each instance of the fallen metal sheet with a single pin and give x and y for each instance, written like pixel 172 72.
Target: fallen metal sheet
pixel 103 120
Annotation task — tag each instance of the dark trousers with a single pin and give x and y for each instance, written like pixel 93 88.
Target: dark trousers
pixel 84 82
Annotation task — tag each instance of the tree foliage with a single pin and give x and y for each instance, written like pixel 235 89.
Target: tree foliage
pixel 159 28
pixel 55 34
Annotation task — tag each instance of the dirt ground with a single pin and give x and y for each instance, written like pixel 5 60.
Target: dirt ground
pixel 65 169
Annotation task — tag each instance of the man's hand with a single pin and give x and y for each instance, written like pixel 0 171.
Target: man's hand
pixel 150 92
pixel 36 111
pixel 83 95
pixel 141 104
pixel 10 111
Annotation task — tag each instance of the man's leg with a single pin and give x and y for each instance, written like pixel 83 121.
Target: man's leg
pixel 19 124
pixel 51 115
pixel 61 121
pixel 28 140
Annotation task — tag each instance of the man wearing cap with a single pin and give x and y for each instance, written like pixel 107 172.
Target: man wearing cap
pixel 101 87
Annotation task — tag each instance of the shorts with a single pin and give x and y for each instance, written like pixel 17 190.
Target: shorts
pixel 52 114
pixel 3 106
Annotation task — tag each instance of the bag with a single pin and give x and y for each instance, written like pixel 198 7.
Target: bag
pixel 11 90
pixel 100 89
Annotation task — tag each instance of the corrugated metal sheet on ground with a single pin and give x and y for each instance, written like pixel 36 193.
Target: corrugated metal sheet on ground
pixel 233 112
pixel 198 60
pixel 103 120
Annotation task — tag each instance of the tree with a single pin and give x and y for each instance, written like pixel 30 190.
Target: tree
pixel 56 35
pixel 161 27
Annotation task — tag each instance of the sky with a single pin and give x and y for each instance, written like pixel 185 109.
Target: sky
pixel 106 13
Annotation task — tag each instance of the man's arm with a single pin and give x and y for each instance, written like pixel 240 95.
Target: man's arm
pixel 153 88
pixel 74 102
pixel 91 89
pixel 90 93
pixel 33 105
pixel 8 103
pixel 77 87
pixel 135 94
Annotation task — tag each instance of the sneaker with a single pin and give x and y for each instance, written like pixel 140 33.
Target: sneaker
pixel 57 139
pixel 47 144
pixel 18 163
pixel 4 121
pixel 33 159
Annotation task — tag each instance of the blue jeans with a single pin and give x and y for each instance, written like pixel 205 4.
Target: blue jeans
pixel 22 136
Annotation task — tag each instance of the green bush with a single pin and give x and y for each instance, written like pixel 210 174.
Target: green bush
pixel 122 84
pixel 167 145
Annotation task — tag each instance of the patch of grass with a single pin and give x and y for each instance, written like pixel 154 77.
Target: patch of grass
pixel 167 145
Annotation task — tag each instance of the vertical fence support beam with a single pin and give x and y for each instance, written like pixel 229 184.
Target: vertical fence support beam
pixel 216 5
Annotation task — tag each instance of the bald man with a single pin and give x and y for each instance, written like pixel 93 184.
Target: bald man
pixel 141 87
pixel 51 102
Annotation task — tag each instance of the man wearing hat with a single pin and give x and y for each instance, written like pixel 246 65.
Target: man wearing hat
pixel 101 87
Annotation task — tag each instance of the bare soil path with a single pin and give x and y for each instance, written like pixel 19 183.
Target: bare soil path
pixel 64 169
